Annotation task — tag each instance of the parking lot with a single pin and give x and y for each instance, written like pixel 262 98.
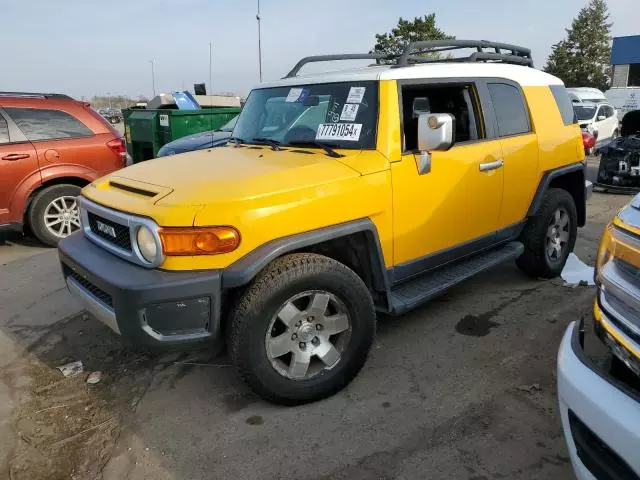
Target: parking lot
pixel 461 388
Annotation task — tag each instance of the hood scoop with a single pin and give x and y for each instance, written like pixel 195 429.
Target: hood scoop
pixel 132 189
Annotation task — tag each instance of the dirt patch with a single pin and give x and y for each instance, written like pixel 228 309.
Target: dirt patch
pixel 66 427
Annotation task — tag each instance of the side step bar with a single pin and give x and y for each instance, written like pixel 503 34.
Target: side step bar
pixel 419 290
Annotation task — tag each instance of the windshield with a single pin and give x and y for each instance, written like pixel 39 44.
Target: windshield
pixel 337 114
pixel 584 113
pixel 230 125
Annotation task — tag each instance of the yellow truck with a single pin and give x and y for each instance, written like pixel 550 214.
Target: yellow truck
pixel 338 196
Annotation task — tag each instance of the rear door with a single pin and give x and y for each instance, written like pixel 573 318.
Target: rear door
pixel 60 139
pixel 519 150
pixel 18 170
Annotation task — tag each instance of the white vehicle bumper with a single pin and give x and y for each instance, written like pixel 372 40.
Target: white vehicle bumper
pixel 600 417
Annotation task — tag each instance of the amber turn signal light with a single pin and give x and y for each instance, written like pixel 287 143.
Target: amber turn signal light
pixel 199 241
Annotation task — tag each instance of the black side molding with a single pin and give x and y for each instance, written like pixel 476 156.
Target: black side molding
pixel 243 270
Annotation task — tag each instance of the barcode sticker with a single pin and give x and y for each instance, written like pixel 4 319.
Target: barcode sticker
pixel 349 112
pixel 294 95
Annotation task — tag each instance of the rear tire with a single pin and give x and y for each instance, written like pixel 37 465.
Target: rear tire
pixel 302 329
pixel 54 214
pixel 549 236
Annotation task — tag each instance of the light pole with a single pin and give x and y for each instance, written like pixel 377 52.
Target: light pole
pixel 109 97
pixel 211 68
pixel 259 43
pixel 153 77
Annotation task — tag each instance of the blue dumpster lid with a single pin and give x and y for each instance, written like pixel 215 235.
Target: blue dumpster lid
pixel 185 101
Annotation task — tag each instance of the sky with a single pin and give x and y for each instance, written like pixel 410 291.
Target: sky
pixel 94 47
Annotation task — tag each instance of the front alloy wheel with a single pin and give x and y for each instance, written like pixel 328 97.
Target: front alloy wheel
pixel 301 331
pixel 309 334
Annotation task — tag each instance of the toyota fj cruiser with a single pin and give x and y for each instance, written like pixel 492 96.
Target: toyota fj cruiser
pixel 339 195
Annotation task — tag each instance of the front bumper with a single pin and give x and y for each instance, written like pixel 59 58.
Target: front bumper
pixel 145 306
pixel 600 416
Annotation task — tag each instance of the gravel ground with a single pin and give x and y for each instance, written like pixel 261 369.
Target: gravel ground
pixel 461 388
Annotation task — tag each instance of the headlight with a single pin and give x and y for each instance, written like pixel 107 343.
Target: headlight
pixel 147 243
pixel 607 247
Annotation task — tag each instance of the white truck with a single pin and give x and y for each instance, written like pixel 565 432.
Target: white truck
pixel 624 99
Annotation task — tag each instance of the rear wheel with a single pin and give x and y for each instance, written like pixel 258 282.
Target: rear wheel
pixel 54 213
pixel 550 235
pixel 302 330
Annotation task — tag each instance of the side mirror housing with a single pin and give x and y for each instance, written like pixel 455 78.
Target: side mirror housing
pixel 601 118
pixel 435 132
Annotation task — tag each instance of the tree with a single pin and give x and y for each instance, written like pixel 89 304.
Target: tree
pixel 582 58
pixel 421 28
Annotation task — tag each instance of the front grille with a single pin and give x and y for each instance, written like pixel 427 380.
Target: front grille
pixel 596 455
pixel 122 238
pixel 100 294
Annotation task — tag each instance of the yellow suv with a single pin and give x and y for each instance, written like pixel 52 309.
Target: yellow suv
pixel 338 195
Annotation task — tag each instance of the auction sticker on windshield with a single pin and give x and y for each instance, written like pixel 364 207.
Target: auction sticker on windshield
pixel 356 94
pixel 349 132
pixel 349 112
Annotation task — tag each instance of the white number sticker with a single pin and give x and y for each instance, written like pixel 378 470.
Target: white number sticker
pixel 349 112
pixel 164 120
pixel 356 94
pixel 294 95
pixel 349 132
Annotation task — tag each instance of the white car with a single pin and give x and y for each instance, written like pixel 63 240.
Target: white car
pixel 599 119
pixel 600 415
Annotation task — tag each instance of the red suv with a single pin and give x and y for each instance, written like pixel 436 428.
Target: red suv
pixel 50 147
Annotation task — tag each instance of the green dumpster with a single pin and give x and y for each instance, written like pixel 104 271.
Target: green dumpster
pixel 148 130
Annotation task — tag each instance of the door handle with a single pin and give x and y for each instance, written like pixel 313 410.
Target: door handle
pixel 485 167
pixel 15 156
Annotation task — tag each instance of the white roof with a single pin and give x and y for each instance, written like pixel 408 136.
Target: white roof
pixel 525 76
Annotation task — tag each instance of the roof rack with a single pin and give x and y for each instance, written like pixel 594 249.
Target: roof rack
pixel 415 53
pixel 515 55
pixel 36 95
pixel 329 58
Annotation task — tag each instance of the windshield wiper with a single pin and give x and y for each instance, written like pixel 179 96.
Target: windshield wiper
pixel 236 140
pixel 327 148
pixel 274 144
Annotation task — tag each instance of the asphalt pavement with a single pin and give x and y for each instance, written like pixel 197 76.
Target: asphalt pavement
pixel 463 388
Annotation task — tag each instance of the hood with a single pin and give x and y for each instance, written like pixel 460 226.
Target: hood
pixel 234 173
pixel 631 124
pixel 629 216
pixel 197 141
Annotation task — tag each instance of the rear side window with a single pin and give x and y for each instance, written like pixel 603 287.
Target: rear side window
pixel 41 124
pixel 4 130
pixel 511 112
pixel 564 104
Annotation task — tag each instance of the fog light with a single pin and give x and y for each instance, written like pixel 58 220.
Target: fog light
pixel 147 243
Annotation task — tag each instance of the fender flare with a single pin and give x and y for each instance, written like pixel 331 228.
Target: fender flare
pixel 545 183
pixel 242 271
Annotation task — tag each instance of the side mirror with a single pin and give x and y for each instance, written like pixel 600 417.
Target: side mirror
pixel 601 118
pixel 435 132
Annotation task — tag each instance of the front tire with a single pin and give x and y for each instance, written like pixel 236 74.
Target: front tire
pixel 549 236
pixel 302 330
pixel 54 214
